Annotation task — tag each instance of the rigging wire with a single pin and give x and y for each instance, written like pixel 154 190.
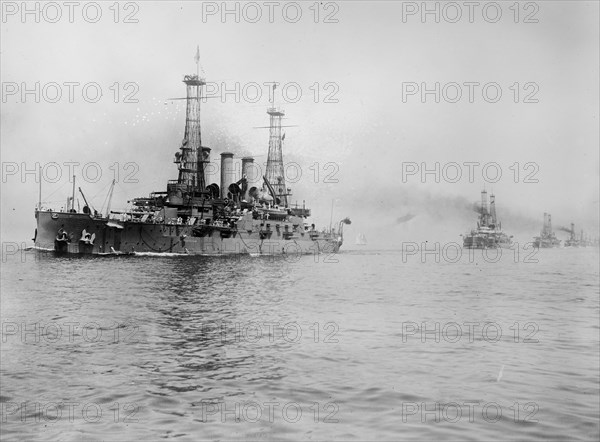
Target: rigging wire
pixel 48 196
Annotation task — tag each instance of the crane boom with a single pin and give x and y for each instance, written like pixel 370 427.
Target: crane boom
pixel 112 187
pixel 84 199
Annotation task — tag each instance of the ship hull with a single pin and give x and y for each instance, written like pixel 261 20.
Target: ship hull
pixel 478 242
pixel 485 242
pixel 114 237
pixel 545 244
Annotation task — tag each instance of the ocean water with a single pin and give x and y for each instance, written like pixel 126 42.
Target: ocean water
pixel 375 345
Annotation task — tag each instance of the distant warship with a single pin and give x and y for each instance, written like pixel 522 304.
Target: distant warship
pixel 547 238
pixel 573 241
pixel 488 234
pixel 251 214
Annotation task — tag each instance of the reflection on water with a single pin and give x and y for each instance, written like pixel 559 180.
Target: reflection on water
pixel 371 347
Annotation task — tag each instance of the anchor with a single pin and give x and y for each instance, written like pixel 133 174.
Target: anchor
pixel 87 238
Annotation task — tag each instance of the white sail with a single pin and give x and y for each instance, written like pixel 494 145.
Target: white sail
pixel 361 239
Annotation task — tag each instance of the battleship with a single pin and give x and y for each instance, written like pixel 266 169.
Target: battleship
pixel 582 241
pixel 547 238
pixel 572 241
pixel 250 215
pixel 488 234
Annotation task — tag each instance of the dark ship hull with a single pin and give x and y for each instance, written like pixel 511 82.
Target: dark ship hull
pixel 486 241
pixel 475 241
pixel 545 243
pixel 250 236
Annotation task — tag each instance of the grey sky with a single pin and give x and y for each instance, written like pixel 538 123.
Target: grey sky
pixel 369 133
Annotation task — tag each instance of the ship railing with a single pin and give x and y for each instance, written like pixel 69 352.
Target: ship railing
pixel 300 211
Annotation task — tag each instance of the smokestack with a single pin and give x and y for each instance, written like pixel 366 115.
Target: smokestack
pixel 248 172
pixel 248 169
pixel 493 208
pixel 226 172
pixel 549 223
pixel 484 202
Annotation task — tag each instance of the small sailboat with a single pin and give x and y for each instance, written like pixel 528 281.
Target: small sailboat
pixel 361 239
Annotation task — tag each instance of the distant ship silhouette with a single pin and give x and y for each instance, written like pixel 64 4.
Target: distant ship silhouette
pixel 405 218
pixel 361 239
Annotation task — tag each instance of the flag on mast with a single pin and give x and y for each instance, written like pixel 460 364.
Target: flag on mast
pixel 273 94
pixel 197 59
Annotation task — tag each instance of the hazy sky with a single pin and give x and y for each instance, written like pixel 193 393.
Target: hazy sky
pixel 364 62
